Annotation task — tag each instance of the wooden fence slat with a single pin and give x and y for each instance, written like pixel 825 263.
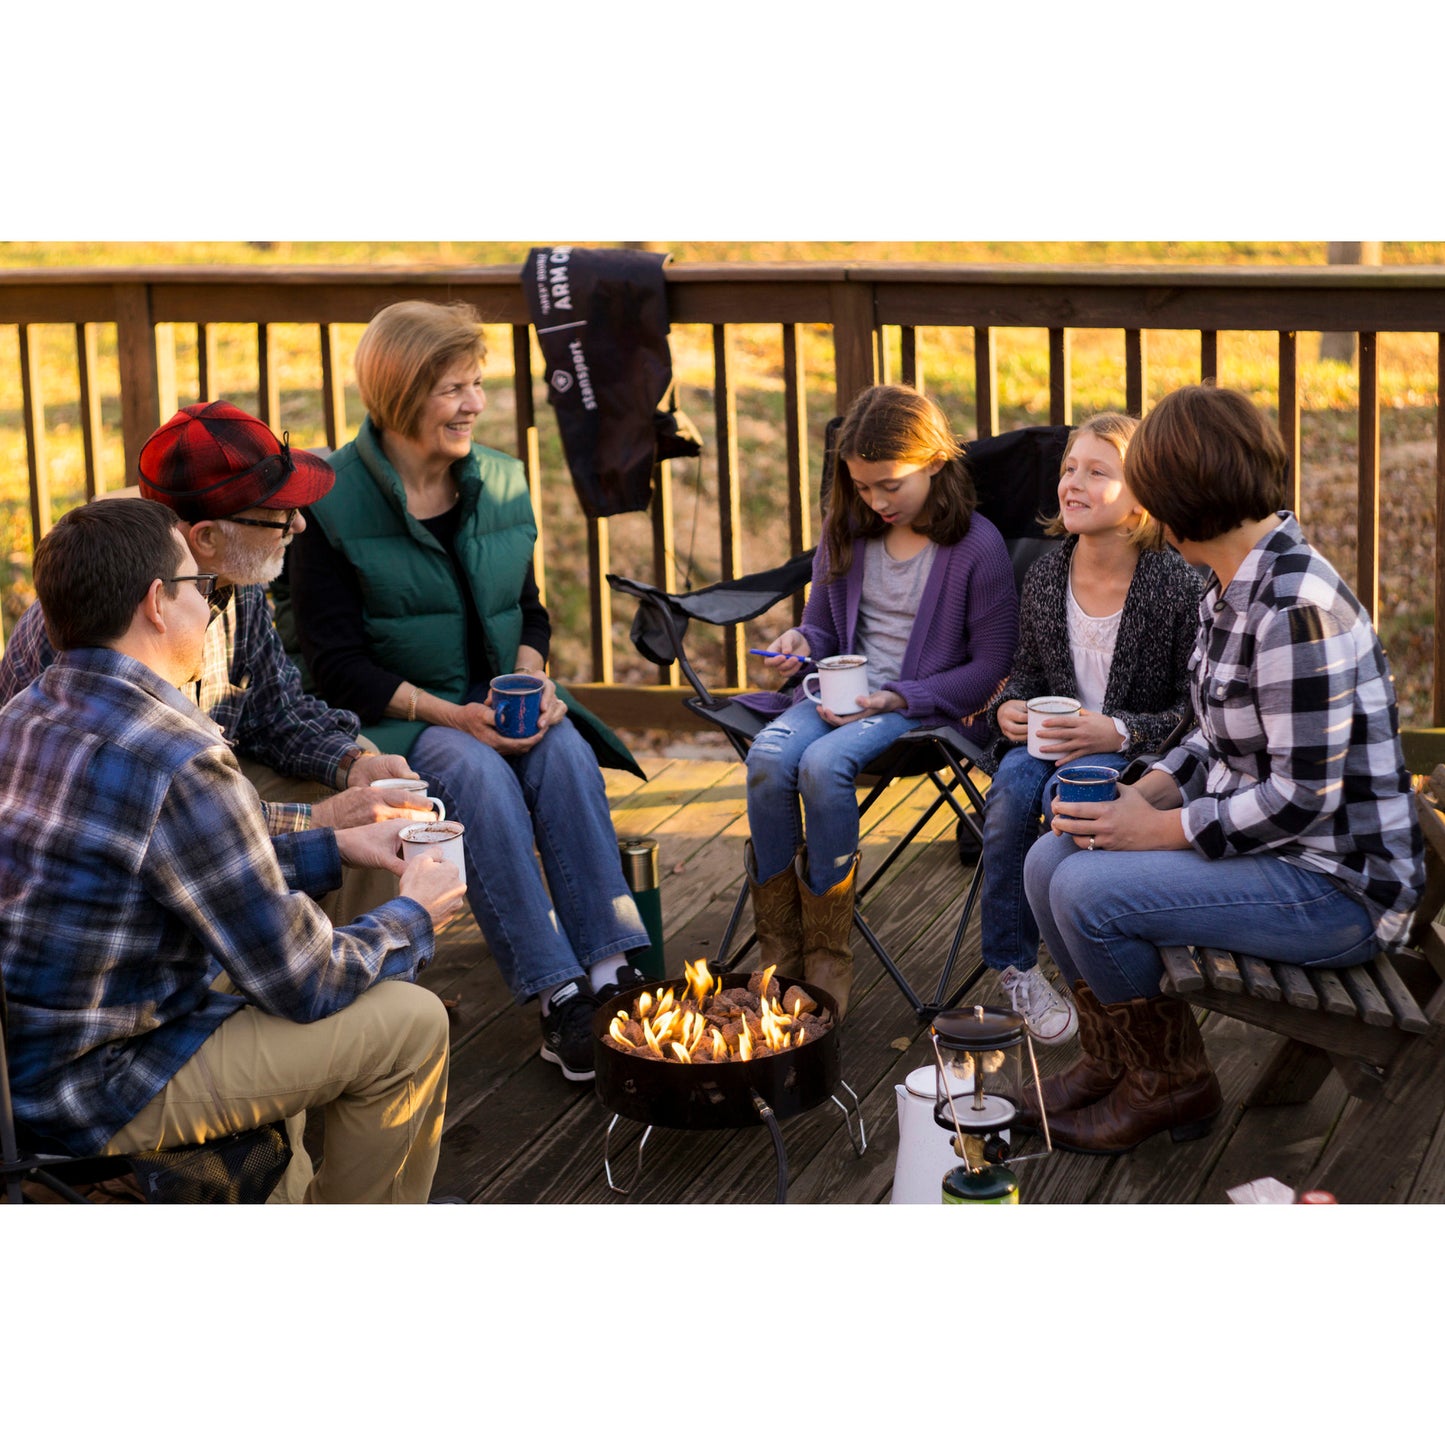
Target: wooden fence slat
pixel 37 466
pixel 1438 687
pixel 528 445
pixel 268 380
pixel 911 365
pixel 333 386
pixel 1061 378
pixel 664 550
pixel 87 361
pixel 1367 563
pixel 135 345
pixel 725 410
pixel 207 379
pixel 985 380
pixel 1289 413
pixel 1136 370
pixel 795 421
pixel 599 596
pixel 851 310
pixel 1209 356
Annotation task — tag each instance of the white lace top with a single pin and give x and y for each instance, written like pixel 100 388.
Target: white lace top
pixel 1091 645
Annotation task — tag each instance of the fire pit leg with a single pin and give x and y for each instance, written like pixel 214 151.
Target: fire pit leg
pixel 860 1144
pixel 607 1160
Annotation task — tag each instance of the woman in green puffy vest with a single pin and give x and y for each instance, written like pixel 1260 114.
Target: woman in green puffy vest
pixel 413 588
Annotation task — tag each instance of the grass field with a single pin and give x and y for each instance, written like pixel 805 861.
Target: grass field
pixel 1248 360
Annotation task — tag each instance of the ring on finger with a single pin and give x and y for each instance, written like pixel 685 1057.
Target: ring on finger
pixel 1091 843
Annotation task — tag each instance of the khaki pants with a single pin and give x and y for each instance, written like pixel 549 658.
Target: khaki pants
pixel 362 889
pixel 378 1069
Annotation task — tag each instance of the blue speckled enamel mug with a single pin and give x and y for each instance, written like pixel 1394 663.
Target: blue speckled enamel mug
pixel 1087 784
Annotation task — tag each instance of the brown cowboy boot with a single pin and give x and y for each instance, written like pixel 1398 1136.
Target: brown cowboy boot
pixel 777 917
pixel 827 928
pixel 1167 1083
pixel 1092 1075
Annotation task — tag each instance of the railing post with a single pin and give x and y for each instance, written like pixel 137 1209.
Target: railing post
pixel 37 465
pixel 854 357
pixel 87 356
pixel 333 386
pixel 135 344
pixel 1061 377
pixel 800 493
pixel 1136 371
pixel 729 513
pixel 528 448
pixel 985 381
pixel 1437 718
pixel 1367 558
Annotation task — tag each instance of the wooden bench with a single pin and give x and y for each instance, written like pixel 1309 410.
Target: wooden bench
pixel 1378 1025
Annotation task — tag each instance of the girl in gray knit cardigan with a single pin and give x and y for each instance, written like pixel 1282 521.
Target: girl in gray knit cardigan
pixel 1109 618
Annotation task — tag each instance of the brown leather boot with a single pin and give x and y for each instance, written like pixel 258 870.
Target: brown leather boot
pixel 1167 1083
pixel 777 917
pixel 827 930
pixel 1090 1077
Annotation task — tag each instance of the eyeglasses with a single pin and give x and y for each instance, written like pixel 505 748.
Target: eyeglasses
pixel 205 581
pixel 283 526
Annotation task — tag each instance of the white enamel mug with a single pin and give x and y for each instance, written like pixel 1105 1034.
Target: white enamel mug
pixel 841 681
pixel 442 839
pixel 414 788
pixel 1041 708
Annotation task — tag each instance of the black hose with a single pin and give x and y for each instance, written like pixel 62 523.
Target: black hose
pixel 765 1113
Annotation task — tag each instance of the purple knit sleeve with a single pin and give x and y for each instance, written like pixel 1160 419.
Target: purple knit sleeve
pixel 971 635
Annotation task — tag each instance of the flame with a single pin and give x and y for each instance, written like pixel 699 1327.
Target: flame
pixel 699 979
pixel 651 1038
pixel 745 1042
pixel 644 1005
pixel 681 1053
pixel 719 1045
pixel 767 979
pixel 616 1030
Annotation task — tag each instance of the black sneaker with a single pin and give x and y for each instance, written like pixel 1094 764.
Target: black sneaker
pixel 567 1031
pixel 627 977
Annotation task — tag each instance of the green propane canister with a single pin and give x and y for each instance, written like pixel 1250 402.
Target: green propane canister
pixel 993 1184
pixel 639 868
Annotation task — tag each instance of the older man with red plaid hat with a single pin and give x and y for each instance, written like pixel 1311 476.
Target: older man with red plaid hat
pixel 238 488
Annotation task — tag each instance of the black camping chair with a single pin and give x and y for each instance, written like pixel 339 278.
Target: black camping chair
pixel 239 1169
pixel 1016 476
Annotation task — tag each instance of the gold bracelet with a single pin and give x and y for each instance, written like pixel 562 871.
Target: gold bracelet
pixel 411 706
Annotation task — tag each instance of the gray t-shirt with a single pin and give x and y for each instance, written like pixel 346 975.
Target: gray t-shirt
pixel 888 608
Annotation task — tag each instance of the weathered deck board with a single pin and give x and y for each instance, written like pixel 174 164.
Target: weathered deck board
pixel 517 1132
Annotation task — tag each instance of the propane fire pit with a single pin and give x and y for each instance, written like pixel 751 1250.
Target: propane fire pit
pixel 687 1054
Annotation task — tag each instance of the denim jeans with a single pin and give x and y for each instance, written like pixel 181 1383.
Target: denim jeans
pixel 1016 797
pixel 1102 914
pixel 799 758
pixel 555 794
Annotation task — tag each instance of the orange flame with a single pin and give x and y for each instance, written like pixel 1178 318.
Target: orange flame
pixel 699 979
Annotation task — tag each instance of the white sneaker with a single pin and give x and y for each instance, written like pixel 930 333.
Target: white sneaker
pixel 1050 1015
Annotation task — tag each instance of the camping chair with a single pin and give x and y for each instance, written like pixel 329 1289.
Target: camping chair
pixel 239 1169
pixel 1016 476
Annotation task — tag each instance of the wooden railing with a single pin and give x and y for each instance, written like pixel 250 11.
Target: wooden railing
pixel 857 302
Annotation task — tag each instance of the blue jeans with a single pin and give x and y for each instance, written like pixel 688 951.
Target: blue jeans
pixel 1021 789
pixel 555 794
pixel 1103 914
pixel 800 759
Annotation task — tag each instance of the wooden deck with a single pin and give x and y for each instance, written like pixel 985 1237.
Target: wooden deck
pixel 518 1133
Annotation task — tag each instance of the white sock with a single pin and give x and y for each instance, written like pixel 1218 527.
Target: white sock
pixel 606 972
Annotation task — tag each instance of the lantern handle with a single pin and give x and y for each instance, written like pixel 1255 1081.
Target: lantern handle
pixel 860 1144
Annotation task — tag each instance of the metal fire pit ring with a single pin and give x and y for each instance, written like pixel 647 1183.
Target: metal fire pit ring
pixel 711 1095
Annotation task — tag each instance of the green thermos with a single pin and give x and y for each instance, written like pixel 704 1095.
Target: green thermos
pixel 639 868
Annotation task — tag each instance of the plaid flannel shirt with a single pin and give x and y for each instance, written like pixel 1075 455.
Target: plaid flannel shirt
pixel 248 686
pixel 135 868
pixel 1298 748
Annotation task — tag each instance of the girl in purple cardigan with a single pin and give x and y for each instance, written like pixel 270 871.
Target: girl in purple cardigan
pixel 908 577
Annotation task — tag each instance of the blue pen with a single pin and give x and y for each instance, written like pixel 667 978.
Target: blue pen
pixel 795 656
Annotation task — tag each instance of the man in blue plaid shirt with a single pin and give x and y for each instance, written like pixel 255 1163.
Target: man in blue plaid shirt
pixel 137 867
pixel 238 490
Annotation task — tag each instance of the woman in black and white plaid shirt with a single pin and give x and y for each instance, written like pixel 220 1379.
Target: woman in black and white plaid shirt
pixel 1282 826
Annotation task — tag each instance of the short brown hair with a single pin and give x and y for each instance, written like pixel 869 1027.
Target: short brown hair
pixel 1205 461
pixel 404 350
pixel 1117 429
pixel 97 562
pixel 896 424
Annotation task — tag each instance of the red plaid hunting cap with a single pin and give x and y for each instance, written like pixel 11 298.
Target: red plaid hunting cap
pixel 213 460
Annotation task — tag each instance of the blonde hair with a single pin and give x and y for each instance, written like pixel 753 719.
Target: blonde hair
pixel 1116 429
pixel 403 352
